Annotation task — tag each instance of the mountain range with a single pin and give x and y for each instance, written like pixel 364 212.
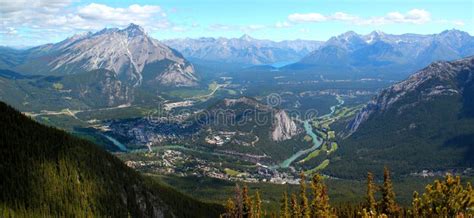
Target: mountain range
pixel 244 50
pixel 130 53
pixel 379 53
pixel 425 122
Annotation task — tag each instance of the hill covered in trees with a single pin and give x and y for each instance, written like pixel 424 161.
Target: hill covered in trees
pixel 423 123
pixel 48 172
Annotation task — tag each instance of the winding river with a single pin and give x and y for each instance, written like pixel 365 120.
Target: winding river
pixel 119 145
pixel 317 141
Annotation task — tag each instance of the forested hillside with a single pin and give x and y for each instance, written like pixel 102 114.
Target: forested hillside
pixel 423 123
pixel 48 172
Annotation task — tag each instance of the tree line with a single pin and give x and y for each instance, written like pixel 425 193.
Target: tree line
pixel 442 198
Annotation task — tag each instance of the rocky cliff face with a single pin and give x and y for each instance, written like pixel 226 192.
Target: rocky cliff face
pixel 283 127
pixel 275 122
pixel 439 78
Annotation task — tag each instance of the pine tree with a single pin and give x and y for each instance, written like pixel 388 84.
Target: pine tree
pixel 320 204
pixel 230 211
pixel 305 210
pixel 247 203
pixel 388 204
pixel 258 205
pixel 238 202
pixel 295 209
pixel 371 188
pixel 416 205
pixel 284 210
pixel 448 198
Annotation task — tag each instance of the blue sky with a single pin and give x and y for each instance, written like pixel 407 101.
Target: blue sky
pixel 27 23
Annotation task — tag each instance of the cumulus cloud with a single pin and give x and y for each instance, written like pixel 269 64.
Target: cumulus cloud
pixel 414 16
pixel 309 17
pixel 16 6
pixel 104 13
pixel 58 18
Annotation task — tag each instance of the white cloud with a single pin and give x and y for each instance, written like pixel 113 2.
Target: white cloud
pixel 459 23
pixel 310 17
pixel 283 24
pixel 341 16
pixel 104 13
pixel 414 16
pixel 56 19
pixel 17 6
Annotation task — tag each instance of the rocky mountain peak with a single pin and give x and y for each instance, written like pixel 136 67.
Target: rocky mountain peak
pixel 134 30
pixel 127 52
pixel 348 35
pixel 246 37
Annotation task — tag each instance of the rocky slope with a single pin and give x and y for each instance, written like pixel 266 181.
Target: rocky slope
pixel 283 127
pixel 379 52
pixel 128 52
pixel 423 123
pixel 244 50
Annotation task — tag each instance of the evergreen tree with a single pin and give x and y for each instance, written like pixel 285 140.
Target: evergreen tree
pixel 258 205
pixel 416 205
pixel 388 204
pixel 320 204
pixel 284 210
pixel 230 209
pixel 247 211
pixel 295 209
pixel 448 198
pixel 238 202
pixel 371 188
pixel 305 210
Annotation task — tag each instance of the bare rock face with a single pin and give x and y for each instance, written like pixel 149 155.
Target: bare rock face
pixel 176 75
pixel 284 127
pixel 439 78
pixel 127 52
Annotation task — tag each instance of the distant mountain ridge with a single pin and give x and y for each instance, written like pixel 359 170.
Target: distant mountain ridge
pixel 244 50
pixel 128 52
pixel 379 52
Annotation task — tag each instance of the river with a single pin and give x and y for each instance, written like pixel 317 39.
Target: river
pixel 317 141
pixel 119 145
